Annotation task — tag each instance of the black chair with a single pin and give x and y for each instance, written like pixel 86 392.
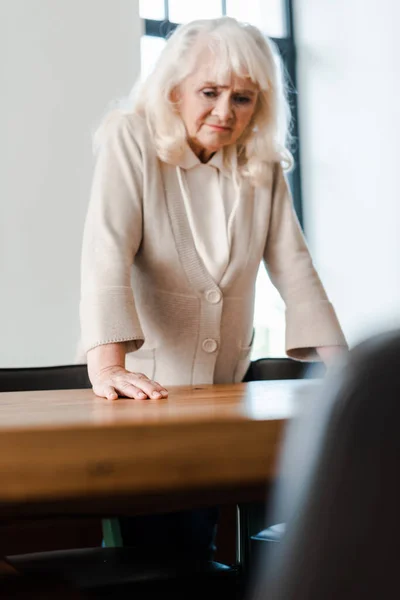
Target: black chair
pixel 256 532
pixel 270 369
pixel 340 489
pixel 66 377
pixel 102 571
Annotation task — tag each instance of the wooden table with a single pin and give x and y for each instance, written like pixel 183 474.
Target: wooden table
pixel 69 451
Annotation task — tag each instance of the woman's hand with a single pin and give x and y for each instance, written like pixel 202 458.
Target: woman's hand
pixel 110 379
pixel 115 381
pixel 329 354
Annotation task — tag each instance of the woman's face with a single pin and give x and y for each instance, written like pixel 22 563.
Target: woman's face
pixel 215 114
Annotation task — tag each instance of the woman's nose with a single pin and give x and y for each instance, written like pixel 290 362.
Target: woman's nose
pixel 223 108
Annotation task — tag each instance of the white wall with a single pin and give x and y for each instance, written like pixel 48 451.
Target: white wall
pixel 348 53
pixel 61 63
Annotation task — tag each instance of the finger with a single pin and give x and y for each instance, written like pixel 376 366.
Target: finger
pixel 129 390
pixel 110 393
pixel 144 379
pixel 106 391
pixel 141 381
pixel 159 388
pixel 151 388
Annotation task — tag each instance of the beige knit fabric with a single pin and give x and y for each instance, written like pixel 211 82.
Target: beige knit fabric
pixel 143 281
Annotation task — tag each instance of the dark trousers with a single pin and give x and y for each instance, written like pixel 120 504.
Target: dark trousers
pixel 187 535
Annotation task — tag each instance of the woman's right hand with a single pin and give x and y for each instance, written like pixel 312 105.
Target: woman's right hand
pixel 110 379
pixel 111 382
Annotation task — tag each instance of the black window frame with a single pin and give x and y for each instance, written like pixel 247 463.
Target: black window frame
pixel 287 49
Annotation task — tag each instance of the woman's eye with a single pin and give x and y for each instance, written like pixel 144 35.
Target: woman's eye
pixel 242 99
pixel 210 93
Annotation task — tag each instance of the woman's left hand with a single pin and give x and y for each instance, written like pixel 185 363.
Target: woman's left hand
pixel 328 354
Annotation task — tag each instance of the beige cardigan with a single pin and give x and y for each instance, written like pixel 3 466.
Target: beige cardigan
pixel 144 283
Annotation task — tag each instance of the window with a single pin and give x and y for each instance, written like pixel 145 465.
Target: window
pixel 274 18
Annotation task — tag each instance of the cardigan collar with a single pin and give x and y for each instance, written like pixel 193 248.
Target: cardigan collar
pixel 225 162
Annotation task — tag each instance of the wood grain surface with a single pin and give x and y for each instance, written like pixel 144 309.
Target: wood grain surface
pixel 67 444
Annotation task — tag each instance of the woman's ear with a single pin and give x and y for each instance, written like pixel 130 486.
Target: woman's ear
pixel 175 96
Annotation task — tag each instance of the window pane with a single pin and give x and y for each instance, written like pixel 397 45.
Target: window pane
pixel 269 319
pixel 182 11
pixel 150 49
pixel 152 9
pixel 268 15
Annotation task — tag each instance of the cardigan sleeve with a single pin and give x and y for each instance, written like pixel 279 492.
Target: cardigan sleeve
pixel 111 239
pixel 311 320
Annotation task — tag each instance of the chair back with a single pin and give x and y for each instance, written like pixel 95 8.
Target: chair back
pixel 269 369
pixel 66 377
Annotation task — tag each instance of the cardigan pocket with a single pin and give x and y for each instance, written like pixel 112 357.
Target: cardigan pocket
pixel 243 361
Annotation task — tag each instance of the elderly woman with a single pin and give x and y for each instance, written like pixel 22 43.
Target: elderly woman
pixel 189 196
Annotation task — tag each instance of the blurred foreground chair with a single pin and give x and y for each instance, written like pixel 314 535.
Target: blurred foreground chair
pixel 340 489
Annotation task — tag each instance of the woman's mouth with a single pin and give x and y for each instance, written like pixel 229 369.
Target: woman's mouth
pixel 218 127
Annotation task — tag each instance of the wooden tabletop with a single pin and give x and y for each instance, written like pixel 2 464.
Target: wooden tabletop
pixel 70 443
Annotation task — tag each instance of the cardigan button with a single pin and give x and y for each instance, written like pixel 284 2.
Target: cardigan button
pixel 213 296
pixel 210 345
